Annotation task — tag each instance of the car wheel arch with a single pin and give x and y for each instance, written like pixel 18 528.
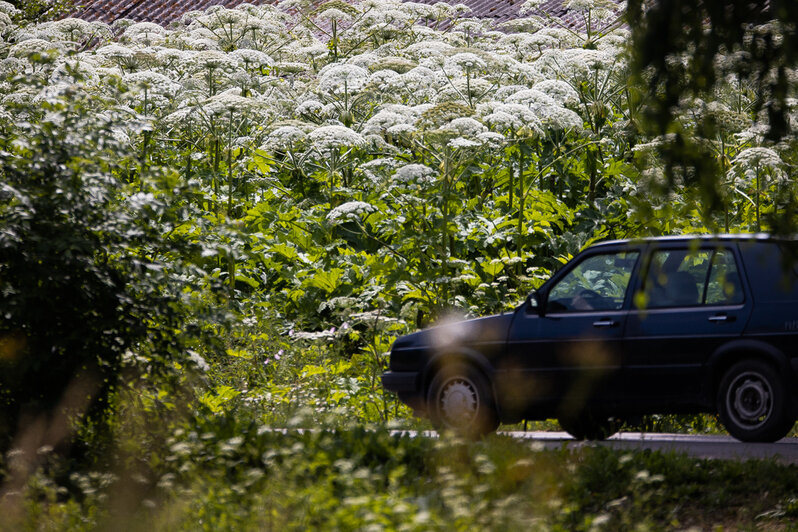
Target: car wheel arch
pixel 733 352
pixel 462 356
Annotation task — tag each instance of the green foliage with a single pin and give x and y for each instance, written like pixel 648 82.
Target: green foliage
pixel 233 473
pixel 693 56
pixel 87 279
pixel 42 10
pixel 219 228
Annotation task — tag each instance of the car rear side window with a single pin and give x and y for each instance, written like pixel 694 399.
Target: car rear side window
pixel 687 278
pixel 724 286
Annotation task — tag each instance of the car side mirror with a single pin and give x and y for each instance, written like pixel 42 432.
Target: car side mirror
pixel 533 303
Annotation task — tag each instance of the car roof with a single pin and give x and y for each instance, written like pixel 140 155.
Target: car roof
pixel 739 237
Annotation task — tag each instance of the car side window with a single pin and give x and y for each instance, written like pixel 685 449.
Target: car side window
pixel 685 278
pixel 724 287
pixel 597 283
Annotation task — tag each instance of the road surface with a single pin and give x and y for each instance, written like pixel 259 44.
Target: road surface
pixel 697 446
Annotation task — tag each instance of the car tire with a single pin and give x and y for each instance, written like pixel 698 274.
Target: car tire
pixel 753 402
pixel 459 400
pixel 590 426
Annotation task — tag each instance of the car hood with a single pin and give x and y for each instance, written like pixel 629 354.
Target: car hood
pixel 486 330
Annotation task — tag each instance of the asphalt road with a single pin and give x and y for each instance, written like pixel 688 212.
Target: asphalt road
pixel 698 446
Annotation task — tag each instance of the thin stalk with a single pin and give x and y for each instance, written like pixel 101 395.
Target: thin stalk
pixel 758 226
pixel 230 165
pixel 557 159
pixel 332 171
pixel 447 244
pixel 521 200
pixel 511 172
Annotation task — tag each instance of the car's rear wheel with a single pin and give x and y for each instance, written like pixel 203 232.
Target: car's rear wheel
pixel 589 425
pixel 753 402
pixel 460 400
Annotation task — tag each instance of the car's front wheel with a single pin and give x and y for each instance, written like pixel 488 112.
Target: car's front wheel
pixel 753 402
pixel 460 400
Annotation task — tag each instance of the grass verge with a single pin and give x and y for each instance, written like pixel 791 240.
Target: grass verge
pixel 230 474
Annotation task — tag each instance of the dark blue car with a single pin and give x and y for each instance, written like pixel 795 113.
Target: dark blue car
pixel 664 325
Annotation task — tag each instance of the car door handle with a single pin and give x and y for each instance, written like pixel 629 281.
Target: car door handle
pixel 721 317
pixel 605 323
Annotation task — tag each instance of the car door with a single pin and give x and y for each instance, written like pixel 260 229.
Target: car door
pixel 568 351
pixel 689 301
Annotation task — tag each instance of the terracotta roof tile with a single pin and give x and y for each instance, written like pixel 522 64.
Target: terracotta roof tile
pixel 166 11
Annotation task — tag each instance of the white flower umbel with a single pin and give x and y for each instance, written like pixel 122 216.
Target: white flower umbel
pixel 755 159
pixel 523 46
pixel 172 60
pixel 521 25
pixel 389 122
pixel 147 33
pixel 152 81
pixel 230 101
pixel 285 138
pixel 491 139
pixel 514 118
pixel 385 80
pixel 213 60
pixel 502 120
pixel 340 79
pixel 72 70
pixel 460 142
pixel 182 117
pixel 752 171
pixel 29 47
pixel 466 60
pixel 464 127
pixel 558 118
pixel 249 58
pixel 558 90
pixel 332 14
pixel 596 11
pixel 291 67
pixel 577 63
pixel 351 210
pixel 313 110
pixel 418 85
pixel 74 33
pixel 5 22
pixel 8 9
pixel 428 48
pixel 530 6
pixel 333 148
pixel 532 98
pixel 419 173
pixel 332 138
pixel 376 170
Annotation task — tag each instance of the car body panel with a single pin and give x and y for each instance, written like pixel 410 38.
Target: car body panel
pixel 631 358
pixel 667 349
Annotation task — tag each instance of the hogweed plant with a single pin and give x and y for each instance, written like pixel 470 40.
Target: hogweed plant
pixel 291 187
pixel 380 164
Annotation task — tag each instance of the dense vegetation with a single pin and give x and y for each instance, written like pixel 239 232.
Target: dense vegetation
pixel 219 227
pixel 247 479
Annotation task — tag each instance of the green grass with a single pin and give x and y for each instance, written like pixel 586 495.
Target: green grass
pixel 232 473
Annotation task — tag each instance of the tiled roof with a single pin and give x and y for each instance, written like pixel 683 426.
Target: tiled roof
pixel 166 11
pixel 504 10
pixel 159 11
